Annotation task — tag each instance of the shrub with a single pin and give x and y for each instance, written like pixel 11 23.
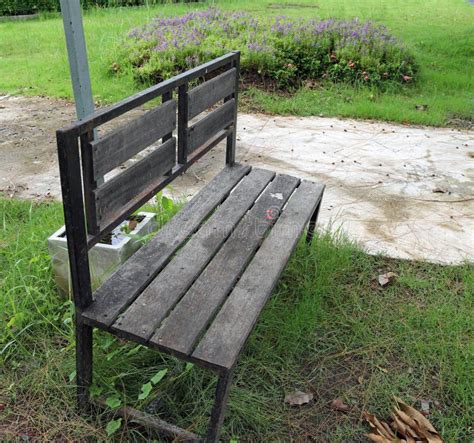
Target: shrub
pixel 19 7
pixel 284 51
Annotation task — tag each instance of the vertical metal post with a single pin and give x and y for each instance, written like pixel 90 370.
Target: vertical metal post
pixel 183 124
pixel 71 187
pixel 231 139
pixel 77 54
pixel 312 224
pixel 218 410
pixel 78 64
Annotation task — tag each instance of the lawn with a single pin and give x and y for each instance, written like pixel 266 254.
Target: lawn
pixel 439 33
pixel 330 329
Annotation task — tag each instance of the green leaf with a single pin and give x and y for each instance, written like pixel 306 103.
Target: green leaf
pixel 113 426
pixel 167 203
pixel 72 376
pixel 112 354
pixel 113 402
pixel 158 376
pixel 189 366
pixel 134 350
pixel 146 389
pixel 95 390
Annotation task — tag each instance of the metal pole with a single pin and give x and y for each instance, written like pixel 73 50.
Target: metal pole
pixel 77 54
pixel 78 65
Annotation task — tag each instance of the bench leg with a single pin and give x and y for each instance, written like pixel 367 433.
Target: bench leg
pixel 218 410
pixel 83 365
pixel 312 224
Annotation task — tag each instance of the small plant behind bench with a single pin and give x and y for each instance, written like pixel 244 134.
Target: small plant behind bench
pixel 282 52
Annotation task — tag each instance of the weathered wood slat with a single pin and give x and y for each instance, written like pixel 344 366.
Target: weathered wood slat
pixel 182 328
pixel 223 342
pixel 204 129
pixel 139 200
pixel 128 140
pixel 89 183
pixel 118 191
pixel 108 113
pixel 210 92
pixel 135 274
pixel 145 314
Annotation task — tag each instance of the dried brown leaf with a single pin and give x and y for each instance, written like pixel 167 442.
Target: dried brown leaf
pixel 400 427
pixel 424 427
pixel 338 405
pixel 386 279
pixel 408 426
pixel 388 429
pixel 415 415
pixel 382 428
pixel 132 224
pixel 378 438
pixel 407 420
pixel 298 398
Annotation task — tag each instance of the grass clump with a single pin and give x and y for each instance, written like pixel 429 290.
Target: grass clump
pixel 329 329
pixel 283 51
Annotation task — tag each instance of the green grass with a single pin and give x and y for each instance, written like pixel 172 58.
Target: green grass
pixel 439 32
pixel 329 329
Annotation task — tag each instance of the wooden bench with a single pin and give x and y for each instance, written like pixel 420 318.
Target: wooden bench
pixel 197 288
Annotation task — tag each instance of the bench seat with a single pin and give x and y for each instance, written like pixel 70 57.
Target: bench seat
pixel 197 288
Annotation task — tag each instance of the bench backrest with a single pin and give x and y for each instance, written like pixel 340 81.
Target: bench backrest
pixel 94 206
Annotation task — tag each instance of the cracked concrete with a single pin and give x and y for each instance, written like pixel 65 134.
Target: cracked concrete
pixel 404 191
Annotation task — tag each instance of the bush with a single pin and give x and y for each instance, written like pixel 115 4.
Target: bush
pixel 19 7
pixel 284 51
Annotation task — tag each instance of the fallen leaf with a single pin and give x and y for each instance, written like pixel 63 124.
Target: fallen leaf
pixel 378 438
pixel 387 278
pixel 360 379
pixel 424 427
pixel 382 428
pixel 298 398
pixel 408 426
pixel 338 405
pixel 132 224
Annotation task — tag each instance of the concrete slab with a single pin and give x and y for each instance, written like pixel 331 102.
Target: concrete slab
pixel 404 191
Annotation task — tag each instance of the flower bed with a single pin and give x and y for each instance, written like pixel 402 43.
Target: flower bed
pixel 283 51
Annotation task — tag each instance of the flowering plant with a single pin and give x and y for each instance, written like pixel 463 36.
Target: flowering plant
pixel 281 51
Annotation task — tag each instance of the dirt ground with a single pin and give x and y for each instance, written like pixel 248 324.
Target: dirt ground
pixel 404 191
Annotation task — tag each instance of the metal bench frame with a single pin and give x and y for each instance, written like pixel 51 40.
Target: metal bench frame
pixel 90 214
